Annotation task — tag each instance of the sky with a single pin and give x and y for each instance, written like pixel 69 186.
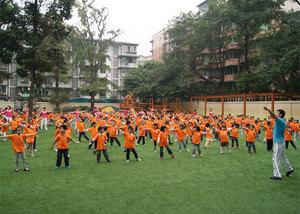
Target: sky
pixel 140 19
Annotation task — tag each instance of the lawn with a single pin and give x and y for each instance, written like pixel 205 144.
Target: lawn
pixel 214 183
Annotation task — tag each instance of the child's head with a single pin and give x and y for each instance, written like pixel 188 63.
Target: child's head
pixel 14 117
pixel 234 125
pixel 113 122
pixel 155 126
pixel 44 108
pixel 128 122
pixel 181 126
pixel 196 128
pixel 19 130
pixel 130 129
pixel 269 124
pixel 224 128
pixel 62 129
pixel 163 128
pixel 101 129
pixel 251 127
pixel 94 124
pixel 207 125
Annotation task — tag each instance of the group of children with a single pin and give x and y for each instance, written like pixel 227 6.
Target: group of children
pixel 160 127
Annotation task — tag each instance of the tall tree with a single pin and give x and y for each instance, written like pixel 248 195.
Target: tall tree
pixel 41 18
pixel 248 17
pixel 89 46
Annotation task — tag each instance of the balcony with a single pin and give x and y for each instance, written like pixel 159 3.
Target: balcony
pixel 128 65
pixel 126 53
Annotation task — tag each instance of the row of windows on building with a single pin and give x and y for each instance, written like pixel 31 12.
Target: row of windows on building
pixel 228 71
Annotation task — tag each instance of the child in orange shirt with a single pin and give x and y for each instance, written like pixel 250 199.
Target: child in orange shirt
pixel 5 127
pixel 101 139
pixel 234 136
pixel 130 139
pixel 18 147
pixel 163 141
pixel 93 131
pixel 154 134
pixel 208 136
pixel 288 137
pixel 113 133
pixel 62 141
pixel 196 139
pixel 181 133
pixel 142 132
pixel 269 136
pixel 80 127
pixel 251 136
pixel 223 134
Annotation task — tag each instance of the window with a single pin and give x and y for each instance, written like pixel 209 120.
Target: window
pixel 128 49
pixel 134 49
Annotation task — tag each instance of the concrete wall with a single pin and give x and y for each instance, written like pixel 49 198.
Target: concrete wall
pixel 50 107
pixel 292 108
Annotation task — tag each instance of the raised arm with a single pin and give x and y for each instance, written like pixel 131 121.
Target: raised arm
pixel 272 114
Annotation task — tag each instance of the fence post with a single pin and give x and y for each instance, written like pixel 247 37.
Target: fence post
pixel 244 112
pixel 191 104
pixel 205 105
pixel 222 106
pixel 272 102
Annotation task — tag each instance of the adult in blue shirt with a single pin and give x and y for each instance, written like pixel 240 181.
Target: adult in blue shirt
pixel 278 139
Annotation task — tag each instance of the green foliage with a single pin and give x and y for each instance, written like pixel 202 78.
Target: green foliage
pixel 89 44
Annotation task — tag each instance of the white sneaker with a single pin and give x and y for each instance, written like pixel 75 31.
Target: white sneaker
pixel 200 155
pixel 139 159
pixel 35 150
pixel 127 161
pixel 179 150
pixel 193 156
pixel 187 150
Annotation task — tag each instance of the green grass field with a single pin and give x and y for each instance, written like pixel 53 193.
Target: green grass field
pixel 214 183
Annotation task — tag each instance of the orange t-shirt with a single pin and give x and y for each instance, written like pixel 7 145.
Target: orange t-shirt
pixel 101 141
pixel 180 134
pixel 251 135
pixel 223 135
pixel 63 141
pixel 17 142
pixel 154 133
pixel 142 133
pixel 269 133
pixel 129 140
pixel 208 133
pixel 80 126
pixel 93 131
pixel 30 139
pixel 234 132
pixel 287 135
pixel 197 137
pixel 14 124
pixel 163 139
pixel 112 131
pixel 5 128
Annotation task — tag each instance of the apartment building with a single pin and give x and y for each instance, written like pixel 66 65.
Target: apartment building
pixel 122 57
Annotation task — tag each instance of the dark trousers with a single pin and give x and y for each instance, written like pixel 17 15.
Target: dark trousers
pixel 270 145
pixel 141 138
pixel 236 141
pixel 136 128
pixel 104 153
pixel 155 143
pixel 253 146
pixel 162 150
pixel 13 131
pixel 84 135
pixel 34 143
pixel 60 152
pixel 116 139
pixel 287 144
pixel 128 153
pixel 95 143
pixel 187 139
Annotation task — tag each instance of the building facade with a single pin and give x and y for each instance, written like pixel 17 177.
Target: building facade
pixel 160 44
pixel 122 57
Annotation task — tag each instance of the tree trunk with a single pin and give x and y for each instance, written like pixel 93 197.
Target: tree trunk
pixel 56 92
pixel 32 79
pixel 92 100
pixel 31 94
